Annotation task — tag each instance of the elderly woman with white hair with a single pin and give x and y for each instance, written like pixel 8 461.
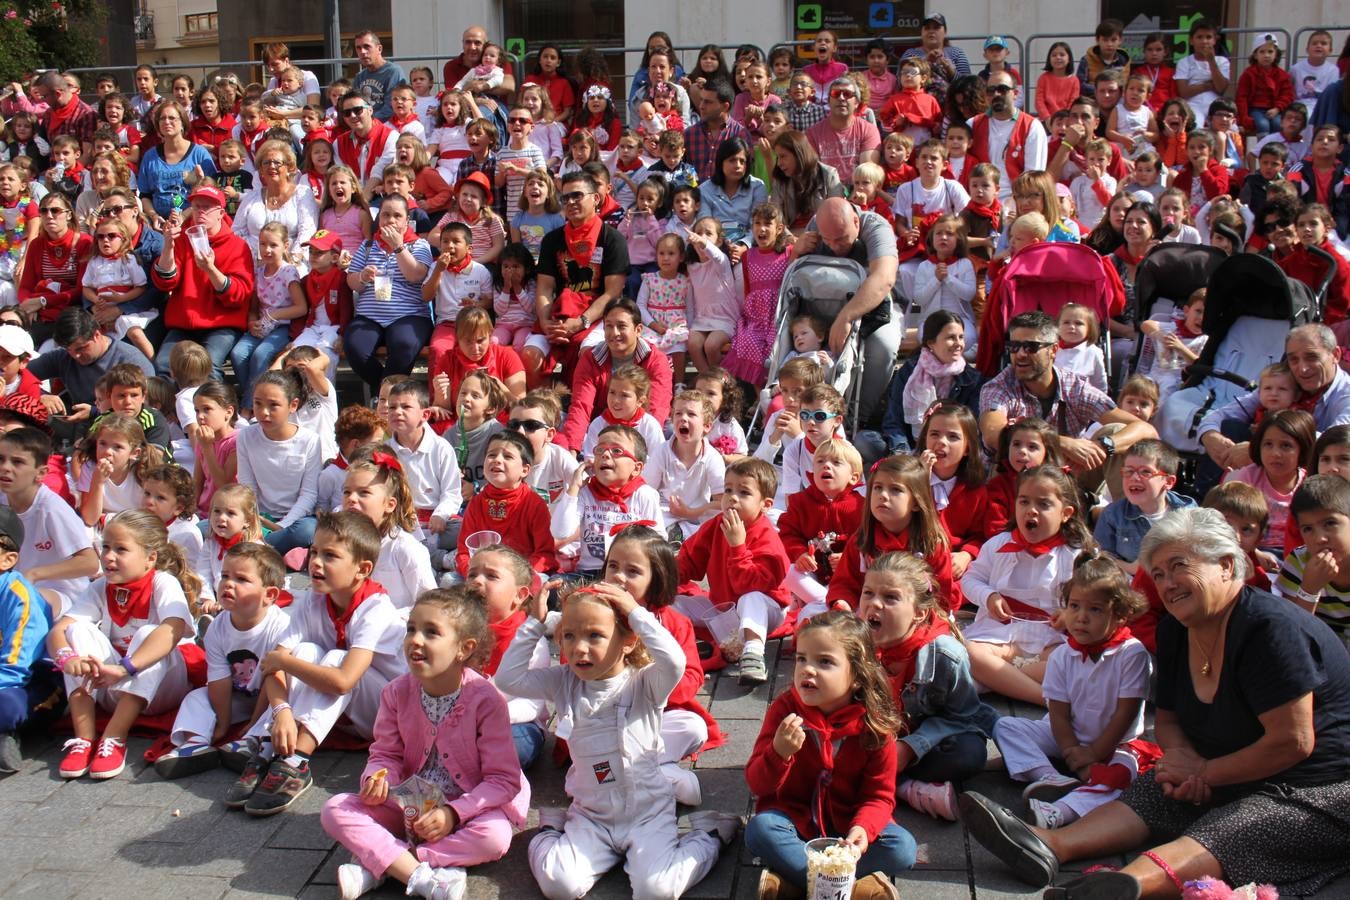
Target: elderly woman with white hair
pixel 1253 717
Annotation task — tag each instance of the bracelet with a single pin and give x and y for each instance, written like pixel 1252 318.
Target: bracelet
pixel 64 655
pixel 1167 870
pixel 1314 599
pixel 280 707
pixel 126 663
pixel 224 287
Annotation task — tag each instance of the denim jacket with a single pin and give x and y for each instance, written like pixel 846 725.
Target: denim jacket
pixel 941 699
pixel 1121 527
pixel 898 434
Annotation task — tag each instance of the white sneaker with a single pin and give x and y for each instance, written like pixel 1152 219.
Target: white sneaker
pixel 1050 788
pixel 448 884
pixel 687 788
pixel 355 880
pixel 554 817
pixel 1047 815
pixel 724 826
pixel 932 798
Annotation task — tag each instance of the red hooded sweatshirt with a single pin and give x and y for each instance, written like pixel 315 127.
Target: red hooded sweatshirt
pixel 193 303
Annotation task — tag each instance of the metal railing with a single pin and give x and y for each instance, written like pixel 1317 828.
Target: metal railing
pixel 1296 45
pixel 896 46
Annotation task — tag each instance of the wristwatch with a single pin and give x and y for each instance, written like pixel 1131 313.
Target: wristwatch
pixel 1108 444
pixel 585 321
pixel 400 248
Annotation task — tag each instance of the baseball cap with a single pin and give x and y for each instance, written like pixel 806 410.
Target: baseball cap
pixel 995 40
pixel 16 341
pixel 207 192
pixel 934 19
pixel 324 240
pixel 1268 38
pixel 10 526
pixel 27 408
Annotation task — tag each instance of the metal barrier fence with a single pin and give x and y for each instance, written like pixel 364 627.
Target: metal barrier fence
pixel 1296 45
pixel 898 45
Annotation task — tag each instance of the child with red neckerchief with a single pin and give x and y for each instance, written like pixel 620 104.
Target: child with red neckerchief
pixel 630 389
pixel 508 506
pixel 233 519
pixel 818 521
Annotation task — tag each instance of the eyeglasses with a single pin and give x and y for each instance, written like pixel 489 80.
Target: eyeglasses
pixel 108 237
pixel 909 72
pixel 529 426
pixel 1001 89
pixel 845 93
pixel 272 164
pixel 1268 227
pixel 520 120
pixel 1021 199
pixel 352 112
pixel 574 196
pixel 1130 472
pixel 116 209
pixel 613 451
pixel 1015 347
pixel 52 210
pixel 816 415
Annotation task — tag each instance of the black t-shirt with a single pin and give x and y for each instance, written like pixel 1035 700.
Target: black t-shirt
pixel 610 257
pixel 1274 653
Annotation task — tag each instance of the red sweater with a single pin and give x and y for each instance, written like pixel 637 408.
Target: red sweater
pixel 1000 495
pixel 860 790
pixel 431 190
pixel 211 136
pixel 329 290
pixel 1214 180
pixel 965 517
pixel 685 695
pixel 847 582
pixel 47 261
pixel 590 380
pixel 519 516
pixel 194 304
pixel 1261 88
pixel 810 514
pixel 905 108
pixel 760 564
pixel 1310 269
pixel 1164 83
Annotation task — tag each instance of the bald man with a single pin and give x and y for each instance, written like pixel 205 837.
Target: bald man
pixel 471 42
pixel 839 230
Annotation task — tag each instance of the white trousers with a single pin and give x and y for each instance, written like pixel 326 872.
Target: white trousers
pixel 196 719
pixel 760 614
pixel 682 733
pixel 161 685
pixel 317 711
pixel 1029 744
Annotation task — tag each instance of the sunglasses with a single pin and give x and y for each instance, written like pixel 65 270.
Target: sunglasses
pixel 109 236
pixel 52 210
pixel 816 415
pixel 1268 227
pixel 352 112
pixel 520 120
pixel 574 196
pixel 844 93
pixel 1000 89
pixel 115 210
pixel 529 426
pixel 1027 346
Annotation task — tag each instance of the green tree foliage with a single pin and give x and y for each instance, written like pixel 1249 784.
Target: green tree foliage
pixel 49 34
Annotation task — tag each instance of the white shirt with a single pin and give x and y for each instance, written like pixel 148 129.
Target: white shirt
pixel 300 216
pixel 283 474
pixel 647 426
pixel 1086 359
pixel 1033 151
pixel 309 83
pixel 124 272
pixel 404 568
pixel 432 471
pixel 694 484
pixel 1093 688
pixel 456 290
pixel 953 294
pixel 1192 71
pixel 183 405
pixel 550 476
pixel 186 534
pixel 596 518
pixel 167 601
pixel 1085 200
pixel 947 197
pixel 1034 580
pixel 319 414
pixel 223 640
pixel 53 533
pixel 376 625
pixel 116 497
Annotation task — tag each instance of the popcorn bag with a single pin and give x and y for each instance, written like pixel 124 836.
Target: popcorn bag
pixel 416 797
pixel 831 866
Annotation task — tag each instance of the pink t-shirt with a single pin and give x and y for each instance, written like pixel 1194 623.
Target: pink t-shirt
pixel 224 450
pixel 841 148
pixel 1276 502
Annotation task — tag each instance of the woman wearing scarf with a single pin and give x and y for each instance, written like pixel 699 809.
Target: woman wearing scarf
pixel 53 265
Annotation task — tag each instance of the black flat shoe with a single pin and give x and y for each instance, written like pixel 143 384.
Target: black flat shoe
pixel 1096 886
pixel 1010 839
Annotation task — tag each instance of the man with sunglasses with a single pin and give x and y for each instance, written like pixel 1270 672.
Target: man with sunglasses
pixel 1031 387
pixel 86 355
pixel 844 139
pixel 1013 140
pixel 368 145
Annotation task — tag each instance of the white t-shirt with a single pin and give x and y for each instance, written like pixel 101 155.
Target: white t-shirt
pixel 1092 689
pixel 283 474
pixel 53 533
pixel 319 414
pixel 124 272
pixel 182 404
pixel 376 625
pixel 248 648
pixel 309 83
pixel 188 536
pixel 167 601
pixel 1192 71
pixel 550 476
pixel 404 568
pixel 1310 81
pixel 116 497
pixel 695 485
pixel 597 520
pixel 647 426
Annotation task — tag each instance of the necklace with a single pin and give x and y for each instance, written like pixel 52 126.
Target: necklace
pixel 1205 667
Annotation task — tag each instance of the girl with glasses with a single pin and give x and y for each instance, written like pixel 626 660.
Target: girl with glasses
pixel 53 265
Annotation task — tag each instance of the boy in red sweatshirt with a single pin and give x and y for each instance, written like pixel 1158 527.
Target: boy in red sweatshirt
pixel 818 522
pixel 509 506
pixel 744 561
pixel 1204 177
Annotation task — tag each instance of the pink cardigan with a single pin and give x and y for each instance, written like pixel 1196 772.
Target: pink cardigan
pixel 474 742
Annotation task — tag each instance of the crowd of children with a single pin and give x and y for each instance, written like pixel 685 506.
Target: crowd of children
pixel 472 583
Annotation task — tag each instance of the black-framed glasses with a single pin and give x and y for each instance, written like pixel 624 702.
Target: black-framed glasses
pixel 1000 89
pixel 1268 227
pixel 1027 346
pixel 529 426
pixel 574 196
pixel 353 111
pixel 816 415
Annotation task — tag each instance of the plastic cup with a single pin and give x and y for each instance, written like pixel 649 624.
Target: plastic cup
pixel 724 623
pixel 480 540
pixel 199 238
pixel 830 875
pixel 384 288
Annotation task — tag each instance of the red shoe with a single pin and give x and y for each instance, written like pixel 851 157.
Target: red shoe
pixel 109 760
pixel 76 761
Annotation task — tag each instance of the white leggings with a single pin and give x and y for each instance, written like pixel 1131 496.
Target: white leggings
pixel 317 711
pixel 1029 744
pixel 162 685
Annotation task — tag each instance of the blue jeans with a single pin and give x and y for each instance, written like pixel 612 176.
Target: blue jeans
pixel 1264 124
pixel 529 740
pixel 252 355
pixel 217 341
pixel 298 534
pixel 955 758
pixel 772 837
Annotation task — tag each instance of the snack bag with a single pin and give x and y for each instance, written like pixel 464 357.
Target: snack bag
pixel 416 797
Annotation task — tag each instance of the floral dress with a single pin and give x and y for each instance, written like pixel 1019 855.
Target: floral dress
pixel 753 342
pixel 13 234
pixel 665 300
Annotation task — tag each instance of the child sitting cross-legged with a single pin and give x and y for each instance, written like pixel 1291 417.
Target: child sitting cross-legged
pixel 248 628
pixel 741 555
pixel 507 506
pixel 818 521
pixel 630 389
pixel 1148 474
pixel 686 470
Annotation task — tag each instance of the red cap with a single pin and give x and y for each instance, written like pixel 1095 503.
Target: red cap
pixel 27 408
pixel 479 179
pixel 208 192
pixel 324 240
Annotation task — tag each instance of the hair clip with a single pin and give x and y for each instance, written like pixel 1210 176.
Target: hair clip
pixel 598 90
pixel 386 460
pixel 614 530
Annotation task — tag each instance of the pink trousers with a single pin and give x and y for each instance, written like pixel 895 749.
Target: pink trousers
pixel 375 835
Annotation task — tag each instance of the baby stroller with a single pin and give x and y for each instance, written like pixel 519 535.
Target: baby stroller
pixel 821 286
pixel 1253 305
pixel 1165 279
pixel 1047 276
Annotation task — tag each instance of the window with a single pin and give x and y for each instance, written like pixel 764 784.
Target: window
pixel 199 24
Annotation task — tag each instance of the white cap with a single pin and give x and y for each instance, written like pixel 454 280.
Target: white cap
pixel 1268 38
pixel 16 341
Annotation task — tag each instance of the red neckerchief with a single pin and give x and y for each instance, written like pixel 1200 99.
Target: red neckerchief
pixel 369 588
pixel 315 183
pixel 503 633
pixel 841 724
pixel 75 171
pixel 993 213
pixel 508 499
pixel 1092 651
pixel 408 237
pixel 455 269
pixel 130 599
pixel 1183 331
pixel 606 208
pixel 631 421
pixel 1066 346
pixel 1020 544
pixel 1309 401
pixel 1124 254
pixel 340 461
pixel 57 116
pixel 616 495
pixel 226 544
pixel 897 177
pixel 61 246
pixel 396 122
pixel 937 260
pixel 629 167
pixel 582 239
pixel 249 138
pixel 899 659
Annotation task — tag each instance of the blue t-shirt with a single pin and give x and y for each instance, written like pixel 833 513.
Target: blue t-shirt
pixel 532 228
pixel 25 620
pixel 406 297
pixel 377 85
pixel 161 182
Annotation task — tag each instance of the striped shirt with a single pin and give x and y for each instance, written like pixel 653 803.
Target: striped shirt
pixel 509 199
pixel 406 299
pixel 1334 605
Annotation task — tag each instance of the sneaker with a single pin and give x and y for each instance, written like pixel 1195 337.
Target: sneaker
pixel 281 786
pixel 11 758
pixel 1046 814
pixel 875 887
pixel 188 759
pixel 552 817
pixel 234 755
pixel 109 759
pixel 720 825
pixel 1050 788
pixel 76 761
pixel 753 670
pixel 448 883
pixel 355 879
pixel 932 798
pixel 687 788
pixel 239 793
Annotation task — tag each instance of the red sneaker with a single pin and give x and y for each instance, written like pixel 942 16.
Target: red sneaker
pixel 76 761
pixel 109 760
